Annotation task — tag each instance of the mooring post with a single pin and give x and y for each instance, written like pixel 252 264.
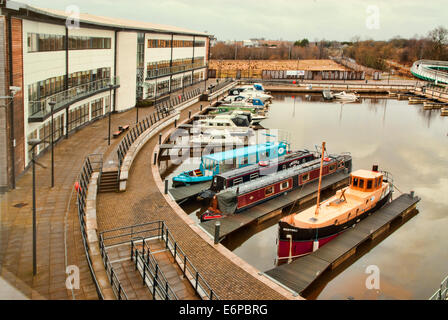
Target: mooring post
pixel 160 138
pixel 189 114
pixel 201 107
pixel 412 194
pixel 155 157
pixel 217 227
pixel 166 186
pixel 175 123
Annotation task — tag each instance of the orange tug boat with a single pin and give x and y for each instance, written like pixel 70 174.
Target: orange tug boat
pixel 305 232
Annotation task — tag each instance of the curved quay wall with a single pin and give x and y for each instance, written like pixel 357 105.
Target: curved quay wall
pixel 139 143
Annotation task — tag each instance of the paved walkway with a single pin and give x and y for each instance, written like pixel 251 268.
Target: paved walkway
pixel 142 202
pixel 59 241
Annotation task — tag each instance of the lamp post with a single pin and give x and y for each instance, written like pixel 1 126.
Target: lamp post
pixel 52 104
pixel 110 111
pixel 33 143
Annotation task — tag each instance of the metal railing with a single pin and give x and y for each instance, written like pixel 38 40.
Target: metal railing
pixel 160 72
pixel 162 110
pixel 442 293
pixel 220 86
pixel 119 291
pixel 92 163
pixel 159 230
pixel 81 197
pixel 42 107
pixel 150 271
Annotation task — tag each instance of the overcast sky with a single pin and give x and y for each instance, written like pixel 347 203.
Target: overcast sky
pixel 277 19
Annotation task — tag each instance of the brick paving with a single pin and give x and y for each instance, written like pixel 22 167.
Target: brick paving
pixel 142 202
pixel 59 241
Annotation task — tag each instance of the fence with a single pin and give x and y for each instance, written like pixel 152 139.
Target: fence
pixel 162 110
pixel 159 230
pixel 442 293
pixel 89 166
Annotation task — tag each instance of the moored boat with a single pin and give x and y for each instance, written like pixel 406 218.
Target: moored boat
pixel 345 96
pixel 242 196
pixel 306 231
pixel 213 164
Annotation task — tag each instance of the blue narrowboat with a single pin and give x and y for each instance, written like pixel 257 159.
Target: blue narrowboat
pixel 220 162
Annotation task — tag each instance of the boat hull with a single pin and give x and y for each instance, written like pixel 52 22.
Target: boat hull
pixel 302 239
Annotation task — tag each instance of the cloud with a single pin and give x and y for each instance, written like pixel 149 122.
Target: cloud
pixel 273 19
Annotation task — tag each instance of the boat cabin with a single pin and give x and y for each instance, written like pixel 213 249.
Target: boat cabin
pixel 220 162
pixel 365 180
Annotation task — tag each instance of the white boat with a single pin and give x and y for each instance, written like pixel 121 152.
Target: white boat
pixel 248 91
pixel 345 96
pixel 254 119
pixel 222 137
pixel 232 123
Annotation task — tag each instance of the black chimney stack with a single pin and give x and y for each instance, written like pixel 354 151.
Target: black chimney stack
pixel 375 168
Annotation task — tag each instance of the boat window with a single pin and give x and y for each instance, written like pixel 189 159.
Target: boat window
pixel 244 160
pixel 379 182
pixel 375 183
pixel 210 124
pixel 341 164
pixel 305 177
pixel 357 210
pixel 361 183
pixel 355 181
pixel 254 176
pixel 284 185
pixel 369 184
pixel 332 167
pixel 237 181
pixel 268 191
pixel 220 124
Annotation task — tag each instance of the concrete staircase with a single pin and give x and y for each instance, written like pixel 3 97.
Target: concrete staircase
pixel 109 180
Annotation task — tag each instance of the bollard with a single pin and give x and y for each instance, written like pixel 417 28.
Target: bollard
pixel 217 227
pixel 412 194
pixel 166 186
pixel 189 114
pixel 201 107
pixel 175 123
pixel 160 138
pixel 155 158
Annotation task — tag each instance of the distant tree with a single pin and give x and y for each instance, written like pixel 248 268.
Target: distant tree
pixel 439 41
pixel 302 43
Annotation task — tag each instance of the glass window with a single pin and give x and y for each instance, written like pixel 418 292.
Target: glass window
pixel 284 185
pixel 305 177
pixel 369 184
pixel 269 191
pixel 361 183
pixel 355 181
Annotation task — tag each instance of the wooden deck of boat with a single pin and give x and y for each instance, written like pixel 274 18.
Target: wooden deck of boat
pixel 273 207
pixel 301 273
pixel 182 193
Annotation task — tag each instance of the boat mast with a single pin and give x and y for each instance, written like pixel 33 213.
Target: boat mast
pixel 320 179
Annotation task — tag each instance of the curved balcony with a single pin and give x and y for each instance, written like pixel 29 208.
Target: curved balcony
pixel 40 110
pixel 161 72
pixel 431 70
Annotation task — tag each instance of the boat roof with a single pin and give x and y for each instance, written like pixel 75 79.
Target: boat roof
pixel 366 174
pixel 256 166
pixel 284 174
pixel 240 152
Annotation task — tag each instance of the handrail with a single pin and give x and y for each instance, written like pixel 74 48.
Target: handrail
pixel 442 293
pixel 119 291
pixel 150 270
pixel 162 110
pixel 65 96
pixel 159 230
pixel 81 197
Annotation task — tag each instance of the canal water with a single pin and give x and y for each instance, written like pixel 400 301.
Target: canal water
pixel 403 139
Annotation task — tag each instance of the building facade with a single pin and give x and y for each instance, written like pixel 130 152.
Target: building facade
pixel 69 69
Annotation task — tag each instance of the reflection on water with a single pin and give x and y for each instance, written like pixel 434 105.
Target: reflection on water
pixel 403 139
pixel 407 141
